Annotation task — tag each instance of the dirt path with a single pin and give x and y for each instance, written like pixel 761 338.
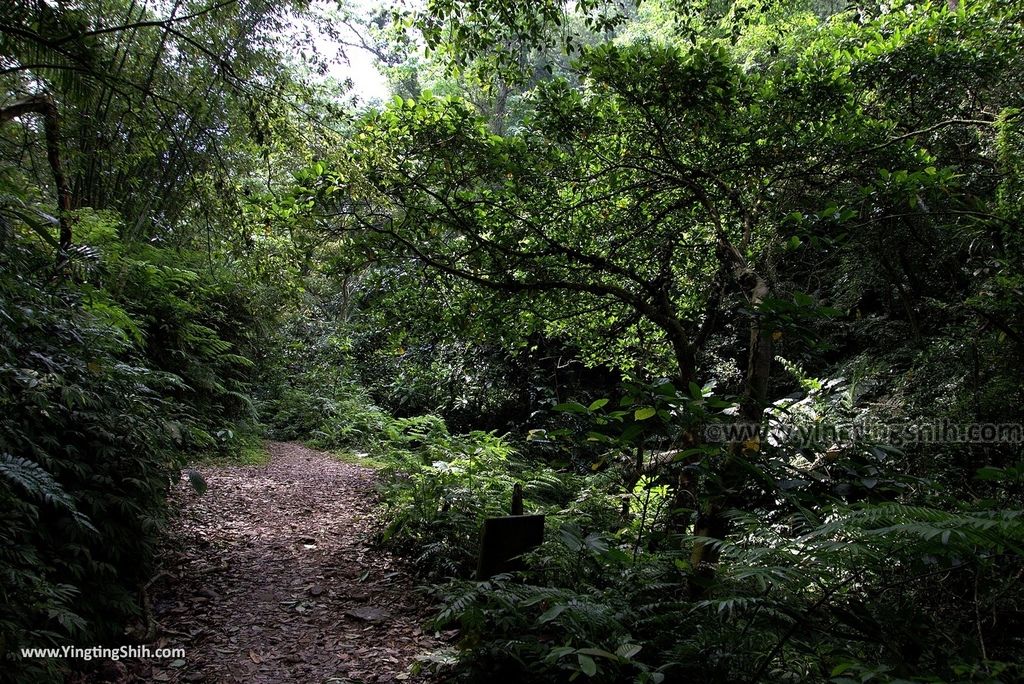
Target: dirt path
pixel 270 578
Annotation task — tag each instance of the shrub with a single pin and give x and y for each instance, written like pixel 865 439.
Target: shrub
pixel 98 405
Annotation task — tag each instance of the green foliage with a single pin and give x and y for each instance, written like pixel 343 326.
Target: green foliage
pixel 846 189
pixel 164 110
pixel 308 392
pixel 87 459
pixel 434 508
pixel 803 600
pixel 609 234
pixel 133 349
pixel 106 379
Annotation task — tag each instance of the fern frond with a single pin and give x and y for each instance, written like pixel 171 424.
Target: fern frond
pixel 35 481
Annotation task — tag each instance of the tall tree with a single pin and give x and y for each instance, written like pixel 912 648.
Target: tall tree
pixel 666 190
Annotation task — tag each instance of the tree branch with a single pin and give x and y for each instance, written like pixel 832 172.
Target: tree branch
pixel 44 106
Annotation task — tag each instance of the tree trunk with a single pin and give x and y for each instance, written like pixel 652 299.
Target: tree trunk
pixel 723 492
pixel 44 105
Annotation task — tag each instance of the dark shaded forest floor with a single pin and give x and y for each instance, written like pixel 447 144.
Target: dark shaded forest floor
pixel 270 577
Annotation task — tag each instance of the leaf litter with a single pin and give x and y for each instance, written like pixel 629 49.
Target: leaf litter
pixel 270 576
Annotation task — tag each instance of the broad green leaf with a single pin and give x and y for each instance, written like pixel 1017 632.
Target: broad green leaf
pixel 571 407
pixel 587 664
pixel 551 613
pixel 645 413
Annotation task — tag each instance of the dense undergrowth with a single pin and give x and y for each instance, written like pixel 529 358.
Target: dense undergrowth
pixel 117 366
pixel 857 566
pixel 606 595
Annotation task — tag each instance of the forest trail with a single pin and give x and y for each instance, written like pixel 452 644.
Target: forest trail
pixel 270 577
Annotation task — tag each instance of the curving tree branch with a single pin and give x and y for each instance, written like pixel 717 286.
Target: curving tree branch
pixel 43 105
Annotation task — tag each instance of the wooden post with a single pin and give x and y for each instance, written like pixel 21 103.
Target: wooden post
pixel 517 499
